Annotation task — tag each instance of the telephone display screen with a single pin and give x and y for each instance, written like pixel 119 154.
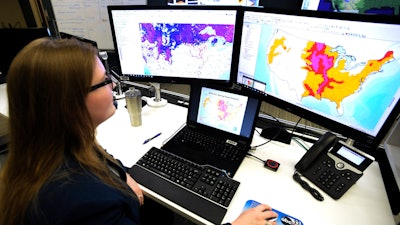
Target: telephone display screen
pixel 351 155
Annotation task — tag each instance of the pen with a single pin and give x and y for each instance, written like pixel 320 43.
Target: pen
pixel 149 139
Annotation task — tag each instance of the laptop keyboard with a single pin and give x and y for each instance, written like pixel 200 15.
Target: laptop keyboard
pixel 216 146
pixel 204 190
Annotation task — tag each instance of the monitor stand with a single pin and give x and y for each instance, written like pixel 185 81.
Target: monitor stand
pixel 156 101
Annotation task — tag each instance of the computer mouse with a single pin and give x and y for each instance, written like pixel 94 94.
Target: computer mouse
pixel 272 219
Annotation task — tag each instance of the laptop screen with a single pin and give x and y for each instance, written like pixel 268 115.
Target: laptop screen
pixel 223 110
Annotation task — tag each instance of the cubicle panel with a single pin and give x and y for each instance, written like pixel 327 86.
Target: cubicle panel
pixel 87 19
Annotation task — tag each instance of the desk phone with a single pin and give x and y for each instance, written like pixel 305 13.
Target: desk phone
pixel 333 165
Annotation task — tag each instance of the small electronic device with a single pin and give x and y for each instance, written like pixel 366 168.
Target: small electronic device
pixel 271 164
pixel 333 165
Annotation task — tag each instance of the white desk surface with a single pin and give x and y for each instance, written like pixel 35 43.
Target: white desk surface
pixel 365 203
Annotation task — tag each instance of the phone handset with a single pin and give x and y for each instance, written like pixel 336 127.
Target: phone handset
pixel 323 144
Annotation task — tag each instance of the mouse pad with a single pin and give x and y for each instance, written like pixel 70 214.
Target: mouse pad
pixel 282 219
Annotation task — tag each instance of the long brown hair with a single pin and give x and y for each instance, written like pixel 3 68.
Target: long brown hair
pixel 47 84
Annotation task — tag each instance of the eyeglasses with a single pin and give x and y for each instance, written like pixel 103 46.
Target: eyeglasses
pixel 108 80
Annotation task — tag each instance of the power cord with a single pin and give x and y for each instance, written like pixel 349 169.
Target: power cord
pixel 271 139
pixel 301 142
pixel 259 159
pixel 307 187
pixel 295 126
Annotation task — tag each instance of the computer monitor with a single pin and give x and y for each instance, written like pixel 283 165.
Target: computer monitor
pixel 338 70
pixel 176 44
pixel 367 7
pixel 12 41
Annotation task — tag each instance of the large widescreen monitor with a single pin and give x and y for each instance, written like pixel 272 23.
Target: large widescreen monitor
pixel 176 44
pixel 336 69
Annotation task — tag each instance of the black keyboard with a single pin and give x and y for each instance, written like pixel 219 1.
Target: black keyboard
pixel 215 145
pixel 203 190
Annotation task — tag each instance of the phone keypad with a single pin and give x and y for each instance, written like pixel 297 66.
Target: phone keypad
pixel 329 177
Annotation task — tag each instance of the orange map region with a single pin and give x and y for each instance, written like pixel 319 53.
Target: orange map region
pixel 334 83
pixel 206 101
pixel 323 80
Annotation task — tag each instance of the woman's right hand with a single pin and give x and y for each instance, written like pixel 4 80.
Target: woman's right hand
pixel 256 216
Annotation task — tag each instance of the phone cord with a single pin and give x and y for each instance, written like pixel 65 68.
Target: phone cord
pixel 306 186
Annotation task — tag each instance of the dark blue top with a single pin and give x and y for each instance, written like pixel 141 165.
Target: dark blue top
pixel 81 198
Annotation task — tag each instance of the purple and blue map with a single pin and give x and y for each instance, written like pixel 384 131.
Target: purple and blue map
pixel 192 50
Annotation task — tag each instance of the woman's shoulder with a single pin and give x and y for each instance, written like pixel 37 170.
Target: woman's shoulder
pixel 76 194
pixel 74 183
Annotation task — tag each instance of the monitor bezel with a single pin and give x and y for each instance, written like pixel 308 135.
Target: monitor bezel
pixel 363 140
pixel 177 79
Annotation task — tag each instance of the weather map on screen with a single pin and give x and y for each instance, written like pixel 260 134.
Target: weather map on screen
pixel 175 42
pixel 193 50
pixel 346 72
pixel 222 110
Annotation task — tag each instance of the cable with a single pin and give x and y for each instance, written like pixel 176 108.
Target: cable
pixel 298 141
pixel 295 126
pixel 276 135
pixel 306 186
pixel 249 154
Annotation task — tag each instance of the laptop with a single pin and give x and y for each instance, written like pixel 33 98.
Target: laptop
pixel 216 112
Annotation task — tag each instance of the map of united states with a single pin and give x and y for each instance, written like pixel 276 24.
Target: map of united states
pixel 222 110
pixel 225 110
pixel 328 69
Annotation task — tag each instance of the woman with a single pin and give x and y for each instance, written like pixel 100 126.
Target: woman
pixel 56 172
